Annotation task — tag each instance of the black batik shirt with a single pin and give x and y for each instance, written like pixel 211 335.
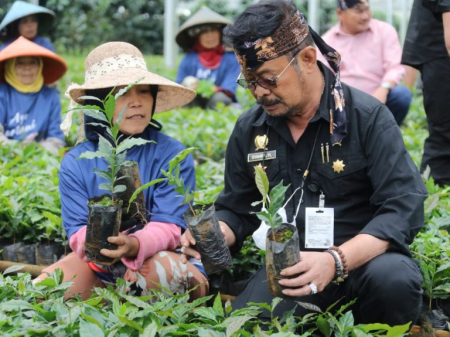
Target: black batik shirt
pixel 380 191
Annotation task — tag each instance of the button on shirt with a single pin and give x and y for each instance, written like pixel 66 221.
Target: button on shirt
pixel 368 58
pixel 380 191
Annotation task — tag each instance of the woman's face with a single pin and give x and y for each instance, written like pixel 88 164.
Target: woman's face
pixel 209 39
pixel 138 102
pixel 27 69
pixel 28 26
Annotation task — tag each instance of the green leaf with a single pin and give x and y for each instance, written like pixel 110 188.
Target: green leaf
pixel 110 106
pixel 217 306
pixel 262 182
pixel 431 202
pixel 105 186
pixel 324 326
pixel 88 329
pixel 96 114
pixel 13 269
pixel 150 330
pixel 104 146
pixel 131 323
pixel 130 142
pixel 277 196
pixel 179 157
pixel 91 155
pixel 207 313
pixel 128 87
pixel 143 187
pixel 233 324
pixel 119 188
pixel 92 98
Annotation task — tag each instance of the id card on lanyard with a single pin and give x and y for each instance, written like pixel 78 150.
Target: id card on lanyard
pixel 319 225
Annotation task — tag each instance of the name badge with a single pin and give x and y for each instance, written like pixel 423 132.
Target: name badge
pixel 319 227
pixel 267 155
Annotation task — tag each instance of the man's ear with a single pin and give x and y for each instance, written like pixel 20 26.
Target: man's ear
pixel 308 58
pixel 339 13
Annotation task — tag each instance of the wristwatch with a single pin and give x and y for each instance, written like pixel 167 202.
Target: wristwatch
pixel 386 85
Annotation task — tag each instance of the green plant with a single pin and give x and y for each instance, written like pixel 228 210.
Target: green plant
pixel 206 88
pixel 271 202
pixel 114 148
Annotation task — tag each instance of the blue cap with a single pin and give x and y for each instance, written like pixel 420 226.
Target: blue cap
pixel 20 9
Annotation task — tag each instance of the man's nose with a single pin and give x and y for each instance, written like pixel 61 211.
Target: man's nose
pixel 261 91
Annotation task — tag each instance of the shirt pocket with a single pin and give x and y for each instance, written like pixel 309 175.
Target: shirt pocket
pixel 351 180
pixel 272 169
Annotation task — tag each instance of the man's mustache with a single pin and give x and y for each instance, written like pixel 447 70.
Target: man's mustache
pixel 265 101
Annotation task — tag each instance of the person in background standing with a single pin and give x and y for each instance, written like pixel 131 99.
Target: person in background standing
pixel 27 20
pixel 427 48
pixel 371 53
pixel 206 59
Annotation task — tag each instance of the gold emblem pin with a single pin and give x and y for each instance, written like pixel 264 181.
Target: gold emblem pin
pixel 338 166
pixel 261 142
pixel 259 166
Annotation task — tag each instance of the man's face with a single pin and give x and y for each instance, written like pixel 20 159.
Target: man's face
pixel 139 102
pixel 355 20
pixel 291 93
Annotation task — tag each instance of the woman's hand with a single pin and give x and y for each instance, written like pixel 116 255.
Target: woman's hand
pixel 188 241
pixel 127 246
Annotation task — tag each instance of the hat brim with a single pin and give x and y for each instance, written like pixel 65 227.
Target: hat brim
pixel 21 9
pixel 170 94
pixel 202 17
pixel 54 66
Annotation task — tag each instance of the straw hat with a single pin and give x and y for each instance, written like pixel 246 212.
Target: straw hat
pixel 203 16
pixel 21 9
pixel 54 66
pixel 119 63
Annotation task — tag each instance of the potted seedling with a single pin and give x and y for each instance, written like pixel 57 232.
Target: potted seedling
pixel 282 241
pixel 105 211
pixel 200 219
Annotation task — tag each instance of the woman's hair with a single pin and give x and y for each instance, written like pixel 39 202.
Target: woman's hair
pixel 103 92
pixel 262 20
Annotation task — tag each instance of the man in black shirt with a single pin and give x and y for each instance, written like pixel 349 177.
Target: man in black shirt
pixel 427 48
pixel 337 142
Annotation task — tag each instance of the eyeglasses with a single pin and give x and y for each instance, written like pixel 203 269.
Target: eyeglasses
pixel 266 83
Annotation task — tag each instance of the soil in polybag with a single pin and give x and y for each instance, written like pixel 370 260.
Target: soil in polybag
pixel 48 254
pixel 137 213
pixel 103 222
pixel 210 242
pixel 9 252
pixel 280 255
pixel 27 254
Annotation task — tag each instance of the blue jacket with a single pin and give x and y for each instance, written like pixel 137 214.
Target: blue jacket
pixel 42 41
pixel 223 76
pixel 78 183
pixel 22 114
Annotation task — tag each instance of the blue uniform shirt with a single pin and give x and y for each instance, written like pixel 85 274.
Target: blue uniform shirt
pixel 78 183
pixel 223 76
pixel 22 114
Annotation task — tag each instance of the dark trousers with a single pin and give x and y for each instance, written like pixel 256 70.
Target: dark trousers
pixel 398 101
pixel 436 92
pixel 388 290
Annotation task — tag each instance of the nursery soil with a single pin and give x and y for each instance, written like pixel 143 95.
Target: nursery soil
pixel 137 213
pixel 280 256
pixel 103 222
pixel 210 244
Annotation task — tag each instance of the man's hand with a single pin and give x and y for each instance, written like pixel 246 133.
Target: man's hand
pixel 128 246
pixel 381 94
pixel 187 242
pixel 314 267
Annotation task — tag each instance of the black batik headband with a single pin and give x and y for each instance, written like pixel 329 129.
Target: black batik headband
pixel 251 55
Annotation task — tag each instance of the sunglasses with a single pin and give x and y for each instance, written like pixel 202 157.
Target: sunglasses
pixel 266 83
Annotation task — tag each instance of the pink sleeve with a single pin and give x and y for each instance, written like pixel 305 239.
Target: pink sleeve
pixel 77 243
pixel 153 238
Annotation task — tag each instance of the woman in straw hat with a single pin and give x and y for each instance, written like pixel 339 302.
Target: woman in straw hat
pixel 150 250
pixel 201 37
pixel 27 20
pixel 29 109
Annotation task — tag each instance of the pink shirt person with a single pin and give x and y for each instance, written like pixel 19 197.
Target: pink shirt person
pixel 370 56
